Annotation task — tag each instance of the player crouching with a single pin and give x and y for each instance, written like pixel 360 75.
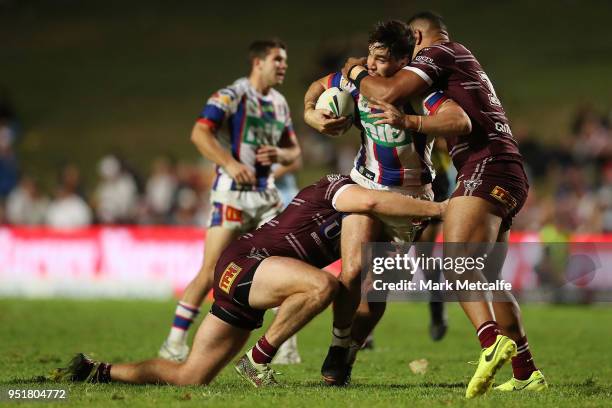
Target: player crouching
pixel 278 265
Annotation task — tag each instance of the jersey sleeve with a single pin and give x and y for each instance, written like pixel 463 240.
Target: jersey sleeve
pixel 337 80
pixel 329 188
pixel 219 106
pixel 432 102
pixel 432 63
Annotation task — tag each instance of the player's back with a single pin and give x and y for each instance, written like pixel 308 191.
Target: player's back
pixel 308 229
pixel 453 68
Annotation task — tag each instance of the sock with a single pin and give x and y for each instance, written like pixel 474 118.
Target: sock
pixel 341 337
pixel 183 317
pixel 487 333
pixel 522 364
pixel 263 352
pixel 102 373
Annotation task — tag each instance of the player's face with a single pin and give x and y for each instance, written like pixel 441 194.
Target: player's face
pixel 274 66
pixel 381 63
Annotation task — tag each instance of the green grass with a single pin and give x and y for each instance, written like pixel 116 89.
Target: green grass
pixel 571 346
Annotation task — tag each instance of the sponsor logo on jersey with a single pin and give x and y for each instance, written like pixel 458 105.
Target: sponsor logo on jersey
pixel 233 214
pixel 228 277
pixel 503 127
pixel 424 59
pixel 504 197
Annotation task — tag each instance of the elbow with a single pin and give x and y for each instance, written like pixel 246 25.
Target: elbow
pixel 465 124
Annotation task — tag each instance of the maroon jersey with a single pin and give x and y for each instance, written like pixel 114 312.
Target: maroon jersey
pixel 308 229
pixel 453 68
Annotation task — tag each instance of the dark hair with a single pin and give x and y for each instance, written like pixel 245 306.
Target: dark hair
pixel 433 18
pixel 261 48
pixel 394 35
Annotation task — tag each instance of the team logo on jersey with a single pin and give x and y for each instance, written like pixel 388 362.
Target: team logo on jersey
pixel 471 185
pixel 504 197
pixel 228 277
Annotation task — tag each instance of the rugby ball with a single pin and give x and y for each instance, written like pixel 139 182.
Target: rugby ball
pixel 338 102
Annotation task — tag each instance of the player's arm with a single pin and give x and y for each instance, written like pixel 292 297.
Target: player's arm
pixel 448 120
pixel 204 138
pixel 396 89
pixel 321 120
pixel 356 199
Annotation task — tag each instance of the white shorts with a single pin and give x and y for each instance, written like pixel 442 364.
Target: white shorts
pixel 398 229
pixel 243 211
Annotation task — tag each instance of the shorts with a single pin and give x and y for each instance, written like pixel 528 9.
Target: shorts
pixel 500 181
pixel 231 287
pixel 243 211
pixel 405 229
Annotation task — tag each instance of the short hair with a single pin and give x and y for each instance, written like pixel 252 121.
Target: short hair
pixel 394 35
pixel 261 48
pixel 433 18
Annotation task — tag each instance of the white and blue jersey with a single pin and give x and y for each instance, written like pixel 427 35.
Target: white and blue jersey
pixel 389 156
pixel 244 120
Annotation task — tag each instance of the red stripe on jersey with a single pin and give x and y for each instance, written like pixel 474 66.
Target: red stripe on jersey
pixel 329 80
pixel 436 105
pixel 212 125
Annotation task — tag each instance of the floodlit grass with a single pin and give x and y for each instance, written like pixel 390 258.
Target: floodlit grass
pixel 570 344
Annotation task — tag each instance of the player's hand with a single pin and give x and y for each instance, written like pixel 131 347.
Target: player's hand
pixel 350 62
pixel 240 173
pixel 390 115
pixel 323 121
pixel 267 155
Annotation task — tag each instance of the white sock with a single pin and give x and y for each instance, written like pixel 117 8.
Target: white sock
pixel 183 318
pixel 341 337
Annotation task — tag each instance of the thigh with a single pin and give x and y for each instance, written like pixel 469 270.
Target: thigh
pixel 277 278
pixel 217 239
pixel 471 219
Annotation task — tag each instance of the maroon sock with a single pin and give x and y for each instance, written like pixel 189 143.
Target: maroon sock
pixel 263 352
pixel 102 373
pixel 487 333
pixel 522 364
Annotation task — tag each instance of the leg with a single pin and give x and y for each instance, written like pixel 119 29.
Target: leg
pixel 357 229
pixel 468 220
pixel 438 323
pixel 301 291
pixel 215 345
pixel 175 347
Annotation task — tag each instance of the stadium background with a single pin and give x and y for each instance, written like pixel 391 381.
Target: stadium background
pixel 81 80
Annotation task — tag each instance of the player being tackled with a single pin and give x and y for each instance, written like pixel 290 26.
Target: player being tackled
pixel 277 265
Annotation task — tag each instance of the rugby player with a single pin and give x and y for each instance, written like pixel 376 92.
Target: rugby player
pixel 389 159
pixel 244 129
pixel 276 265
pixel 492 185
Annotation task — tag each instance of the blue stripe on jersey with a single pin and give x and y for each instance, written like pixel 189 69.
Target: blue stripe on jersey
pixel 420 141
pixel 267 110
pixel 335 81
pixel 431 102
pixel 213 113
pixel 236 125
pixel 389 166
pixel 361 159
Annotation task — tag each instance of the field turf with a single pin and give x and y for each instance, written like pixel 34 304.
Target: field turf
pixel 571 345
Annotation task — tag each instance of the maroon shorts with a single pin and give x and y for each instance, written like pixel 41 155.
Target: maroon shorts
pixel 499 180
pixel 232 284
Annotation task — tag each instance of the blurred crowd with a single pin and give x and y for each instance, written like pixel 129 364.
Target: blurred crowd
pixel 571 183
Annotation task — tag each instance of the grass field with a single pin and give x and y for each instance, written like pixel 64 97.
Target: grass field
pixel 571 345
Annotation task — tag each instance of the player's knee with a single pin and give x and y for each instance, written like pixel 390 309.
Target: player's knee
pixel 189 375
pixel 325 288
